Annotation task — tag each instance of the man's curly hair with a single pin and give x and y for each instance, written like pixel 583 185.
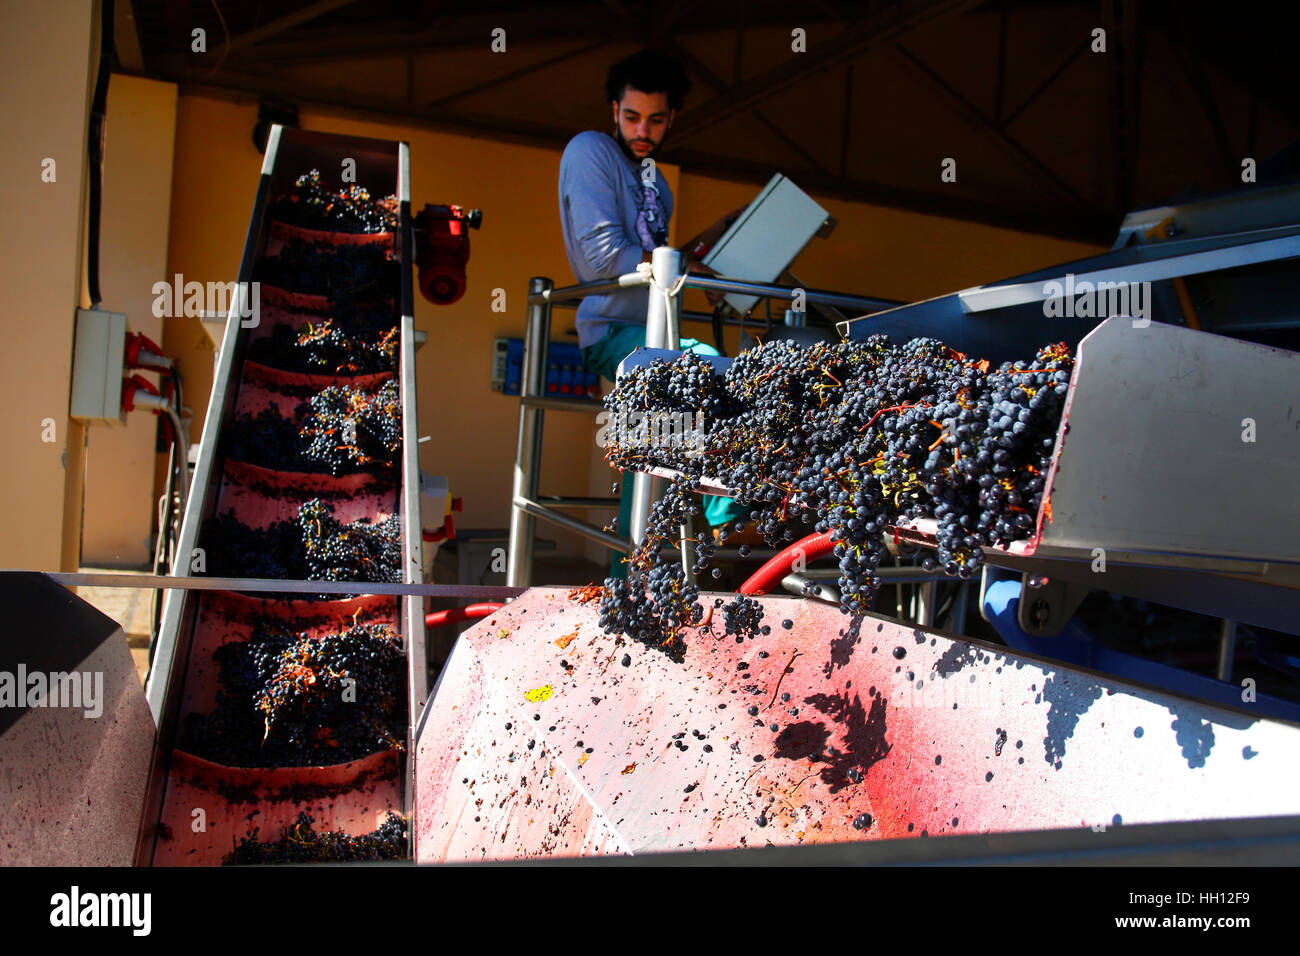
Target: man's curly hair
pixel 650 71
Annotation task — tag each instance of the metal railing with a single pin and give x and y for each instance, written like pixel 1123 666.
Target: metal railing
pixel 663 330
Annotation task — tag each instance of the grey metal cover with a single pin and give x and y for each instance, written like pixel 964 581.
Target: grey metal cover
pixel 1178 442
pixel 767 237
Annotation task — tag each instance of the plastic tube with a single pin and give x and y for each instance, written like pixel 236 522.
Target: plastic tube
pixel 778 566
pixel 457 614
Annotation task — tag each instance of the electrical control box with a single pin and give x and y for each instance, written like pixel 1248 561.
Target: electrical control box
pixel 566 375
pixel 97 367
pixel 766 238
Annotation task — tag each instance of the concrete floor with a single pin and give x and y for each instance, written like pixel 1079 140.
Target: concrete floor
pixel 131 608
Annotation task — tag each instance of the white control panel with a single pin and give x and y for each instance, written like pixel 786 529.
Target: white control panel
pixel 97 367
pixel 767 237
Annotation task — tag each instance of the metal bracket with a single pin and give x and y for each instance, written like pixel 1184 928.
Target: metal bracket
pixel 1046 605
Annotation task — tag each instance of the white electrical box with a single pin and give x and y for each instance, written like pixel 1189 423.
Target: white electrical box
pixel 767 237
pixel 97 367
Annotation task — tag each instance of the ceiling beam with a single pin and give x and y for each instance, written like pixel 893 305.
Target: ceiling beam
pixel 1005 121
pixel 718 83
pixel 1085 227
pixel 975 119
pixel 879 29
pixel 1200 84
pixel 1089 226
pixel 287 22
pixel 475 29
pixel 1129 127
pixel 516 74
pixel 664 26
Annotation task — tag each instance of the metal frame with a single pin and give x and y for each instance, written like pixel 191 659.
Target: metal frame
pixel 663 330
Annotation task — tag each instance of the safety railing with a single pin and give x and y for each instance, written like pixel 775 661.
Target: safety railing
pixel 663 330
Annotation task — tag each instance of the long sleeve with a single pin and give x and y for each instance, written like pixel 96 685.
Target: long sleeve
pixel 590 191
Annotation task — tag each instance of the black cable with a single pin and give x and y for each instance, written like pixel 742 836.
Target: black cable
pixel 95 145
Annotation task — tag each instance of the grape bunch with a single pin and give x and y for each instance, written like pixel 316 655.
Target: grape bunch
pixel 294 700
pixel 358 273
pixel 351 340
pixel 343 430
pixel 655 599
pixel 359 551
pixel 312 205
pixel 315 546
pixel 848 438
pixel 301 843
pixel 350 429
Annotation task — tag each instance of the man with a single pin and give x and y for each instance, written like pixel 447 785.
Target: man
pixel 614 213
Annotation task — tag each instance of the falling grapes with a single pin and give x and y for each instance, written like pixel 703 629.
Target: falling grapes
pixel 359 551
pixel 847 438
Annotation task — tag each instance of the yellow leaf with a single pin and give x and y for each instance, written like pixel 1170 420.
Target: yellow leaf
pixel 566 640
pixel 503 633
pixel 629 768
pixel 539 694
pixel 582 758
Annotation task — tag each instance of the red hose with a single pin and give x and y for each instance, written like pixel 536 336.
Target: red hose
pixel 455 614
pixel 770 574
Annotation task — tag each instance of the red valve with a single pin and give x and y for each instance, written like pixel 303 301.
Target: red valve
pixel 442 251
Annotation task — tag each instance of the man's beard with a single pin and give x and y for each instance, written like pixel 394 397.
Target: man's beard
pixel 627 149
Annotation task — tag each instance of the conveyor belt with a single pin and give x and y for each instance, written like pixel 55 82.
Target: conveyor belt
pixel 196 811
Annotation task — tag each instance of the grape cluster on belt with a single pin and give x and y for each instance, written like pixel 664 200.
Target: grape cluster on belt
pixel 294 700
pixel 312 205
pixel 350 428
pixel 315 546
pixel 350 340
pixel 343 430
pixel 301 843
pixel 847 438
pixel 360 273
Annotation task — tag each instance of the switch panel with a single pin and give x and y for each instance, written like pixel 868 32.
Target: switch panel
pixel 97 367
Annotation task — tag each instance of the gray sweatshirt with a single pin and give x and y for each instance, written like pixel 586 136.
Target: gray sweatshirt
pixel 609 220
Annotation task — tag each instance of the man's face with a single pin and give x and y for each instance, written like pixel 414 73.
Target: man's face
pixel 641 122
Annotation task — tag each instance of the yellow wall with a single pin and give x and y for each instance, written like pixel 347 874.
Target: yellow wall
pixel 141 130
pixel 46 55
